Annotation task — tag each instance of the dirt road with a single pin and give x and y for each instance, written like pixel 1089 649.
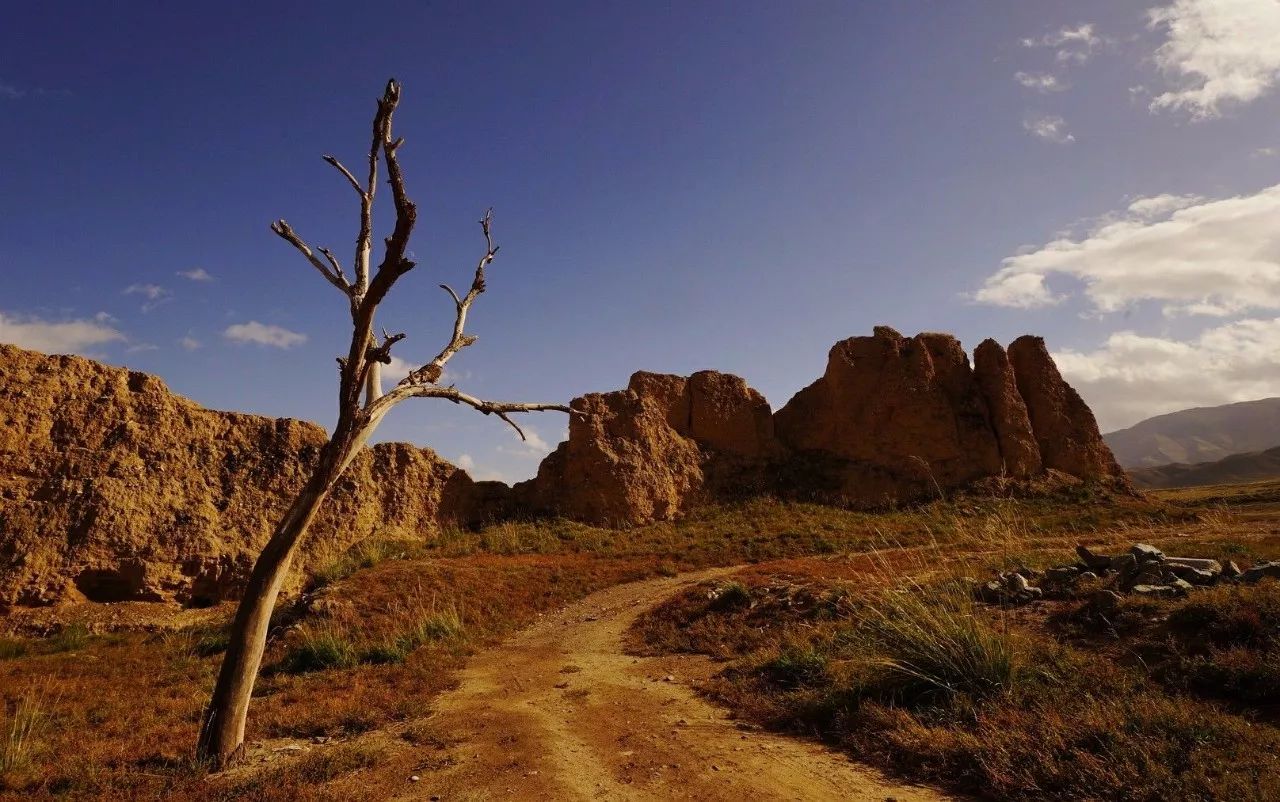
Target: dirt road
pixel 560 712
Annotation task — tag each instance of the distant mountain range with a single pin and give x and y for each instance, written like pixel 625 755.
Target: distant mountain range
pixel 1201 435
pixel 1232 470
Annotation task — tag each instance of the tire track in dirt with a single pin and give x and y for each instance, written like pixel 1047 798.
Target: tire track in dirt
pixel 559 712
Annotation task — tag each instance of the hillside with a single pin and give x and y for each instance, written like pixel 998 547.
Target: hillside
pixel 1235 469
pixel 1198 435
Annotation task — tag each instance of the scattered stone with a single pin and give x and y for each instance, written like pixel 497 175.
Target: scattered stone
pixel 1094 562
pixel 414 778
pixel 1144 553
pixel 1062 573
pixel 1087 576
pixel 1016 582
pixel 1231 570
pixel 1196 576
pixel 1257 572
pixel 1156 591
pixel 1106 602
pixel 1212 566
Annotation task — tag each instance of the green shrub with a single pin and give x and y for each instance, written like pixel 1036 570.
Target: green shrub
pixel 318 649
pixel 931 641
pixel 12 648
pixel 70 638
pixel 26 723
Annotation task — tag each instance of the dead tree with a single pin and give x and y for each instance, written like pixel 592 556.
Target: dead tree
pixel 222 732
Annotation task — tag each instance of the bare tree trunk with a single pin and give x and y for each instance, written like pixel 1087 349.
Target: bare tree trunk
pixel 222 732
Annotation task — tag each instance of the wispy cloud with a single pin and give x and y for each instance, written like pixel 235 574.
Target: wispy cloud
pixel 1049 127
pixel 1219 52
pixel 57 337
pixel 1070 44
pixel 189 343
pixel 1040 81
pixel 264 334
pixel 196 274
pixel 153 294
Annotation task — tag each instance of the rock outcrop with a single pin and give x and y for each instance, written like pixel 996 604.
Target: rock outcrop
pixel 893 419
pixel 1064 426
pixel 1019 449
pixel 112 488
pixel 650 451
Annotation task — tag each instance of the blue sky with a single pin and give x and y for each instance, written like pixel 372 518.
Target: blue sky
pixel 729 185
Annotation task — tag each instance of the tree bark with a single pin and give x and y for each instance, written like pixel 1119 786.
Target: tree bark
pixel 222 731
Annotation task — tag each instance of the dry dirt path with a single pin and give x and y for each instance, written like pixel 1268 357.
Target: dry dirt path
pixel 560 712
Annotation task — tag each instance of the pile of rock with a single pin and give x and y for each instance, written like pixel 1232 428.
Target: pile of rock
pixel 1143 570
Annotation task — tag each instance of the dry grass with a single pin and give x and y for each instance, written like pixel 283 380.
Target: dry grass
pixel 389 624
pixel 894 661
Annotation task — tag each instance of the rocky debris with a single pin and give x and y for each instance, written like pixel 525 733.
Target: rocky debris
pixel 1261 570
pixel 114 489
pixel 1010 587
pixel 1143 571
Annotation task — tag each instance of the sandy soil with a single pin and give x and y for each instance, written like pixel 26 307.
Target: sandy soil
pixel 561 712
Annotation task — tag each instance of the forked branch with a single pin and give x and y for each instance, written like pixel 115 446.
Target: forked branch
pixel 431 372
pixel 331 271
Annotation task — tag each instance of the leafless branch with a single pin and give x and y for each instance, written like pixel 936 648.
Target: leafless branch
pixel 432 371
pixel 394 264
pixel 382 353
pixel 331 271
pixel 337 165
pixel 500 408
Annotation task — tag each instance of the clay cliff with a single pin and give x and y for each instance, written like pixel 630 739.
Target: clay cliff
pixel 893 419
pixel 112 488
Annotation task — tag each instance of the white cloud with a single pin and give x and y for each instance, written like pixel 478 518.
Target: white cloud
pixel 1076 44
pixel 1150 208
pixel 196 274
pixel 467 463
pixel 1040 81
pixel 1218 52
pixel 154 294
pixel 190 343
pixel 10 92
pixel 1205 257
pixel 1048 127
pixel 60 337
pixel 1133 376
pixel 1267 152
pixel 397 370
pixel 263 334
